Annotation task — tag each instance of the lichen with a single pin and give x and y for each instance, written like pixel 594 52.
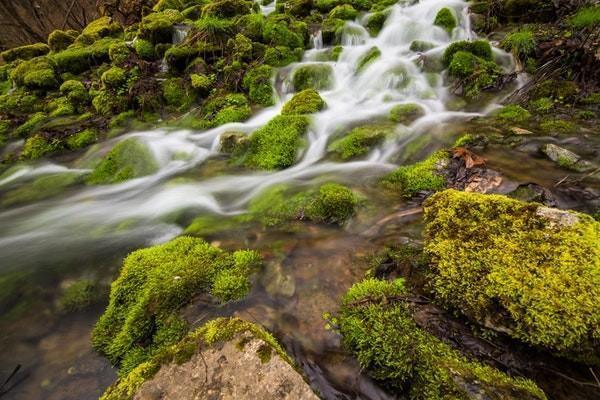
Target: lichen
pixel 503 262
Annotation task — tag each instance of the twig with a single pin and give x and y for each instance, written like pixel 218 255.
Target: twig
pixel 561 181
pixel 64 25
pixel 571 379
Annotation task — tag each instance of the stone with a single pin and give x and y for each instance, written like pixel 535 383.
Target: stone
pixel 520 131
pixel 565 158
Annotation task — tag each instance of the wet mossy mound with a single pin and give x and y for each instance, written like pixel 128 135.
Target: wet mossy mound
pixel 423 176
pixel 360 140
pixel 307 101
pixel 377 327
pixel 520 268
pixel 141 318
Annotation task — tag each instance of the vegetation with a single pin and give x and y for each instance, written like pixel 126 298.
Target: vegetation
pixel 377 327
pixel 446 19
pixel 406 113
pixel 506 263
pixel 360 140
pixel 315 76
pixel 141 318
pixel 425 175
pixel 307 101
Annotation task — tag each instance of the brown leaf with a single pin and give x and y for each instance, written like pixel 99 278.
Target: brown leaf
pixel 471 159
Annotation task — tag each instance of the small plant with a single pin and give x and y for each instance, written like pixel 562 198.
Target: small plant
pixel 586 17
pixel 520 43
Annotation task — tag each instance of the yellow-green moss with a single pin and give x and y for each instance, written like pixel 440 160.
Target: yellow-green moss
pixel 425 175
pixel 307 101
pixel 154 283
pixel 446 19
pixel 501 261
pixel 257 81
pixel 406 113
pixel 360 140
pixel 25 52
pixel 377 327
pixel 315 76
pixel 59 40
pixel 77 296
pixel 38 146
pixel 513 113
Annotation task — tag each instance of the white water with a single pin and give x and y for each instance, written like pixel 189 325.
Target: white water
pixel 146 207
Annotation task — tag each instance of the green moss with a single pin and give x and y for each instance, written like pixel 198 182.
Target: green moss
pixel 82 139
pixel 102 27
pixel 307 101
pixel 153 284
pixel 279 33
pixel 542 105
pixel 59 40
pixel 109 103
pixel 178 57
pixel 421 46
pixel 464 140
pixel 38 73
pixel 422 176
pixel 223 109
pixel 118 53
pixel 333 204
pixel 176 94
pixel 157 27
pixel 446 19
pixel 163 5
pixel 406 113
pixel 78 296
pixel 377 326
pixel 360 140
pixel 113 78
pixel 586 17
pixel 479 48
pixel 60 107
pixel 343 11
pixel 558 125
pixel 257 81
pixel 32 125
pixel 592 98
pixel 375 23
pixel 371 55
pixel 275 145
pixel 18 103
pixel 226 8
pixel 144 49
pixel 38 146
pixel 280 56
pixel 25 52
pixel 233 284
pixel 80 58
pixel 75 92
pixel 463 64
pixel 513 113
pixel 40 188
pixel 492 255
pixel 127 160
pixel 315 76
pixel 520 43
pixel 203 84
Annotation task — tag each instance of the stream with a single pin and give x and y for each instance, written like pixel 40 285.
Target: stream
pixel 85 231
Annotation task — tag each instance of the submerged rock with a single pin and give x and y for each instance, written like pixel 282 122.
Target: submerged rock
pixel 565 158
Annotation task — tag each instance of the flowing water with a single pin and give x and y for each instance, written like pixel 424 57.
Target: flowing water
pixel 85 231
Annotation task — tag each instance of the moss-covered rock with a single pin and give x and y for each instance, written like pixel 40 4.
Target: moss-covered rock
pixel 203 84
pixel 360 140
pixel 79 58
pixel 223 109
pixel 426 175
pixel 479 48
pixel 332 204
pixel 33 123
pixel 371 55
pixel 343 11
pixel 75 92
pixel 43 187
pixel 257 81
pixel 82 139
pixel 377 326
pixel 141 318
pixel 280 56
pixel 106 103
pixel 406 113
pixel 127 160
pixel 307 101
pixel 18 103
pixel 315 76
pixel 227 8
pixel 178 57
pixel 376 22
pixel 529 271
pixel 59 40
pixel 78 296
pixel 118 52
pixel 25 52
pixel 113 78
pixel 158 27
pixel 446 19
pixel 102 27
pixel 163 5
pixel 144 49
pixel 275 145
pixel 513 113
pixel 38 146
pixel 37 74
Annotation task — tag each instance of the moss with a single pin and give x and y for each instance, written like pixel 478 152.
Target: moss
pixel 224 109
pixel 421 46
pixel 446 19
pixel 113 78
pixel 422 176
pixel 38 74
pixel 360 140
pixel 102 27
pixel 118 53
pixel 203 84
pixel 315 76
pixel 129 159
pixel 558 126
pixel 32 125
pixel 78 296
pixel 108 103
pixel 233 284
pixel 163 5
pixel 406 113
pixel 592 98
pixel 377 326
pixel 479 48
pixel 75 92
pixel 226 8
pixel 343 11
pixel 278 33
pixel 207 225
pixel 38 146
pixel 257 81
pixel 175 93
pixel 60 107
pixel 307 101
pixel 586 17
pixel 25 52
pixel 333 204
pixel 463 64
pixel 542 105
pixel 144 49
pixel 82 139
pixel 18 103
pixel 153 283
pixel 59 40
pixel 157 27
pixel 560 90
pixel 80 58
pixel 464 140
pixel 40 188
pixel 280 56
pixel 375 23
pixel 520 43
pixel 275 145
pixel 371 55
pixel 513 113
pixel 178 57
pixel 494 256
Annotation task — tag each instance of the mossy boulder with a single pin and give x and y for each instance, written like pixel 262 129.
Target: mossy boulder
pixel 25 52
pixel 18 103
pixel 307 101
pixel 118 52
pixel 79 58
pixel 59 40
pixel 176 93
pixel 377 327
pixel 529 271
pixel 343 11
pixel 479 48
pixel 315 76
pixel 40 188
pixel 31 125
pixel 82 139
pixel 423 176
pixel 360 140
pixel 406 113
pixel 376 22
pixel 227 8
pixel 280 56
pixel 332 204
pixel 163 5
pixel 275 145
pixel 141 317
pixel 113 78
pixel 369 57
pixel 446 19
pixel 102 27
pixel 144 49
pixel 107 102
pixel 513 113
pixel 75 92
pixel 257 81
pixel 203 84
pixel 128 159
pixel 38 146
pixel 37 74
pixel 179 57
pixel 225 108
pixel 158 27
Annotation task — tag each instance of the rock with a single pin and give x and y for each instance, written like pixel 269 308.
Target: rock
pixel 565 158
pixel 277 282
pixel 557 217
pixel 520 131
pixel 534 192
pixel 244 367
